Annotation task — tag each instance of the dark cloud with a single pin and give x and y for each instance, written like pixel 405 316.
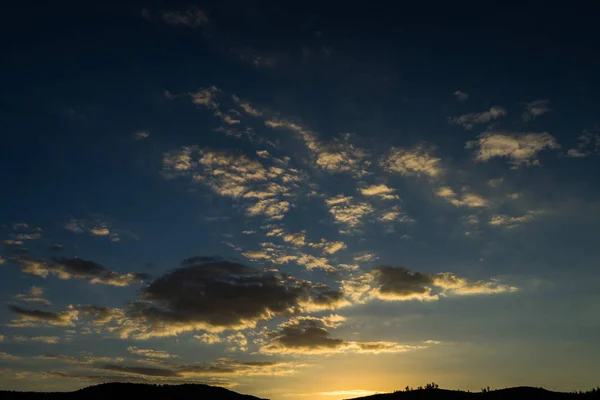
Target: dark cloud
pixel 398 283
pixel 309 335
pixel 147 371
pixel 78 268
pixel 214 294
pixel 401 282
pixel 211 294
pixel 28 317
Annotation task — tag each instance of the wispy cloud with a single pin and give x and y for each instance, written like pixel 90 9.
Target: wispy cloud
pixel 191 18
pixel 415 161
pixel 461 96
pixel 535 109
pixel 519 148
pixel 468 121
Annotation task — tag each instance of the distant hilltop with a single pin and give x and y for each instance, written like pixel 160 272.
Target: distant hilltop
pixel 107 391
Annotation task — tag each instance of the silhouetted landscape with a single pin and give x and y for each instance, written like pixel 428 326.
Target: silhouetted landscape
pixel 195 391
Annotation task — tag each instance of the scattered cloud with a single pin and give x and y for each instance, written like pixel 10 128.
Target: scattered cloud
pixel 348 212
pixel 297 239
pixel 468 121
pixel 206 97
pixel 150 353
pixel 267 191
pixel 381 191
pixel 208 338
pixel 587 144
pixel 237 342
pixel 8 357
pixel 329 247
pixel 510 222
pixel 416 161
pixel 535 109
pixel 77 268
pixel 519 148
pixel 141 135
pixel 495 182
pixel 399 284
pixel 461 96
pixel 84 360
pixel 248 109
pixel 39 339
pixel 336 156
pixel 191 18
pixel 33 318
pixel 466 199
pixel 309 335
pixel 34 295
pixel 365 257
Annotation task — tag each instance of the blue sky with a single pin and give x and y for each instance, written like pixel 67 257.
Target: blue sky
pixel 263 196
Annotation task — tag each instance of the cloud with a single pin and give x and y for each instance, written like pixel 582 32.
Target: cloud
pixel 141 135
pixel 40 339
pixel 248 109
pixel 208 338
pixel 467 199
pixel 211 295
pixel 495 182
pixel 297 239
pixel 99 231
pixel 365 257
pixel 221 367
pixel 535 109
pixel 587 144
pixel 329 247
pixel 8 357
pixel 87 360
pixel 519 148
pixel 265 190
pixel 380 191
pixel 468 121
pixel 309 335
pixel 461 96
pixel 237 342
pixel 399 284
pixel 191 18
pixel 416 161
pixel 77 268
pixel 348 212
pixel 150 353
pixel 75 225
pixel 28 317
pixel 206 97
pixel 34 295
pixel 336 156
pixel 510 222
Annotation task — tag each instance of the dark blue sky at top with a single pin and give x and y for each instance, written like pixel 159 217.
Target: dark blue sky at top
pixel 78 79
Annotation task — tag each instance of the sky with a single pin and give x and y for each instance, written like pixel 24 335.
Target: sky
pixel 299 199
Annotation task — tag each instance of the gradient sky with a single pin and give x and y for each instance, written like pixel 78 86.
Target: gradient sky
pixel 299 200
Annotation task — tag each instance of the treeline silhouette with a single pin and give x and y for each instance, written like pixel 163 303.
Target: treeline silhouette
pixel 433 391
pixel 200 392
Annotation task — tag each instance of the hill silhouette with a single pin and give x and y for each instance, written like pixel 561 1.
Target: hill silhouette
pixel 431 391
pixel 200 392
pixel 119 390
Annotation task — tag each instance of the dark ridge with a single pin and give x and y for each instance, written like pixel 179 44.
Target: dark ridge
pixel 521 392
pixel 132 391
